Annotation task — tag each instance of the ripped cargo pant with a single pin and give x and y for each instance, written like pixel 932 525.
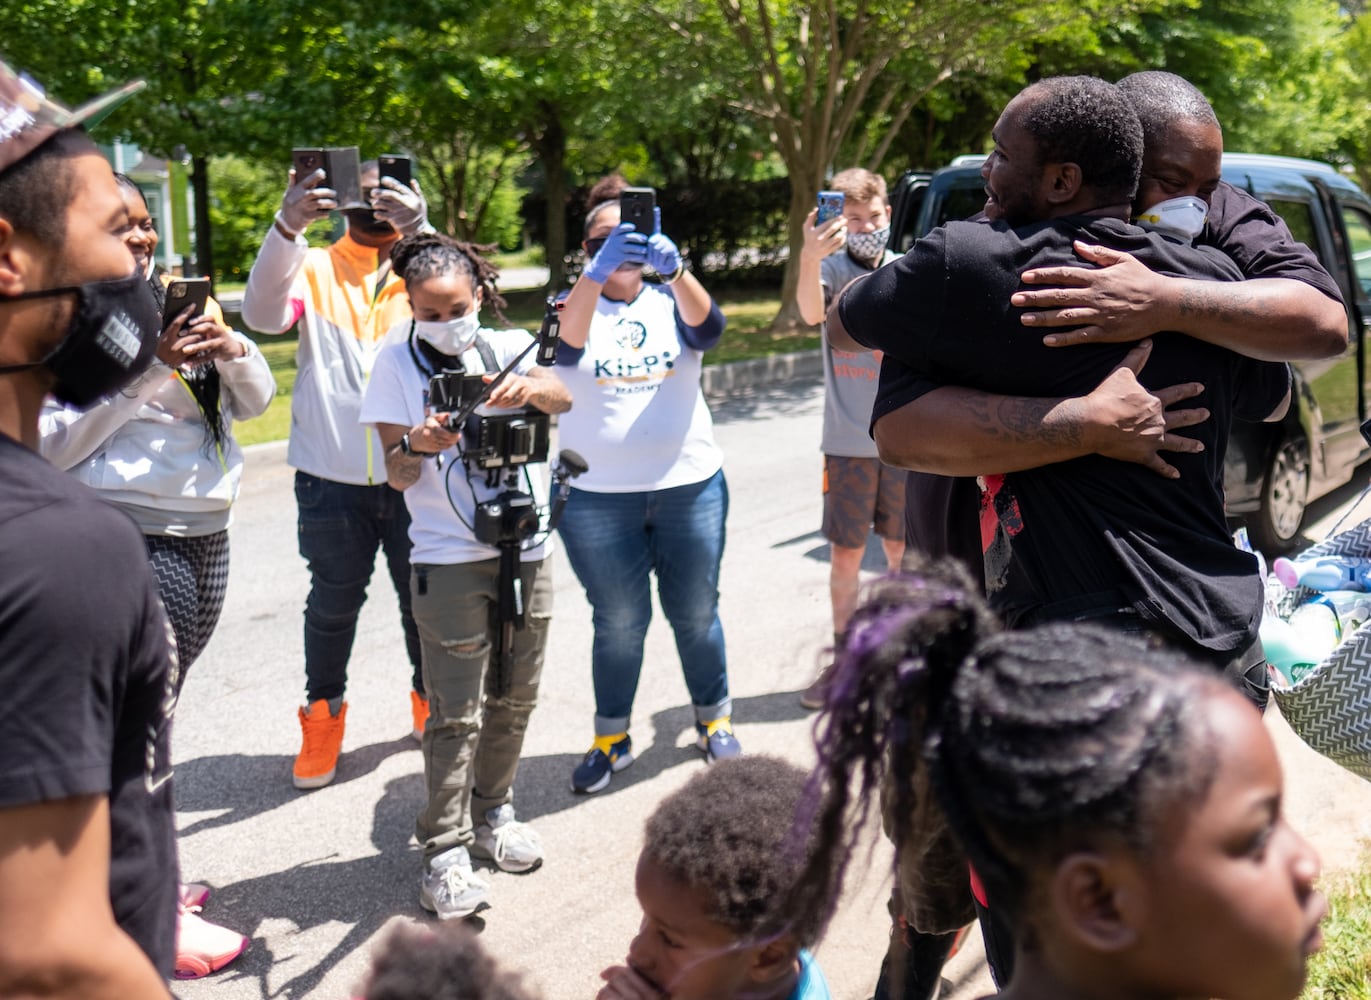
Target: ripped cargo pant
pixel 473 738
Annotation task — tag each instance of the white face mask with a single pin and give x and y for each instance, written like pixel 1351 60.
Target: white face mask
pixel 451 336
pixel 1182 218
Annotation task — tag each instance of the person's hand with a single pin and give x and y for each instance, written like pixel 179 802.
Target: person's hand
pixel 1133 422
pixel 173 346
pixel 514 391
pixel 403 207
pixel 305 201
pixel 212 341
pixel 432 436
pixel 625 983
pixel 826 240
pixel 624 245
pixel 1116 302
pixel 662 254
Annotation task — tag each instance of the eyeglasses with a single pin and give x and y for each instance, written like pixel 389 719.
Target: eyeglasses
pixel 593 245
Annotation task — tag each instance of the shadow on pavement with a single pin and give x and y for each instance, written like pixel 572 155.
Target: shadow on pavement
pixel 361 894
pixel 765 400
pixel 244 785
pixel 544 784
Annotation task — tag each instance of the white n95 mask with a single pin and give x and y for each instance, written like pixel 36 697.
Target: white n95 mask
pixel 1182 218
pixel 452 336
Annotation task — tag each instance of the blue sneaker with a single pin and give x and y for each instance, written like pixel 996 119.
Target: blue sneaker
pixel 716 740
pixel 592 774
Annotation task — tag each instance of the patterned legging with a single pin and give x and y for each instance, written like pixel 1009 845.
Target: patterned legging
pixel 192 575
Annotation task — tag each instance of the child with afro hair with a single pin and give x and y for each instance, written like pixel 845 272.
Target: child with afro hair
pixel 442 962
pixel 719 856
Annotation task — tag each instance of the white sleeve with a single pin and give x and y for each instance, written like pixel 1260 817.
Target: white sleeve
pixel 67 437
pixel 247 380
pixel 385 400
pixel 266 300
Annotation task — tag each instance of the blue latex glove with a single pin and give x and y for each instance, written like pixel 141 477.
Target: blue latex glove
pixel 662 255
pixel 622 246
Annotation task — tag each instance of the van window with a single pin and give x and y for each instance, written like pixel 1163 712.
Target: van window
pixel 1359 243
pixel 1299 216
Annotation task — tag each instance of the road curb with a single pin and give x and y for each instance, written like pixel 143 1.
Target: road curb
pixel 718 381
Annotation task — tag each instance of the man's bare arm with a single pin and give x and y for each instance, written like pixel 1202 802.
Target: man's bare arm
pixel 955 431
pixel 58 936
pixel 838 337
pixel 1270 319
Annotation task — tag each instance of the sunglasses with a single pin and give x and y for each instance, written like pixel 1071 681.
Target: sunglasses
pixel 593 245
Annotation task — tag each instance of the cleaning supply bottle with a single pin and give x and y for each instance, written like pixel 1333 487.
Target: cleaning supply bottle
pixel 1296 646
pixel 1324 572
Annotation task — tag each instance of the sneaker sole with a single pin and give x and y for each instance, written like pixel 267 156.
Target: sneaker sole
pixel 812 702
pixel 314 781
pixel 198 966
pixel 615 766
pixel 479 853
pixel 426 901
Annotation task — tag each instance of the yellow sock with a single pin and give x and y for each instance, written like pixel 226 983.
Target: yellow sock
pixel 725 723
pixel 603 743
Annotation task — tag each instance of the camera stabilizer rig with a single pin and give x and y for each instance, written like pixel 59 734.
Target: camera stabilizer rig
pixel 500 444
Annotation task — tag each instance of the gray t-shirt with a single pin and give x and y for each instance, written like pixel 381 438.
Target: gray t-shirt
pixel 849 377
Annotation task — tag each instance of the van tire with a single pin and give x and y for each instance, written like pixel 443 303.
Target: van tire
pixel 1275 527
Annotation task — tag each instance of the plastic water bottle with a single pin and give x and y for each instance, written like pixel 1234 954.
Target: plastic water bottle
pixel 1324 573
pixel 1297 646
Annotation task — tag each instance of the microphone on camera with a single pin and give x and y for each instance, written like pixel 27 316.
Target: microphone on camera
pixel 569 466
pixel 548 336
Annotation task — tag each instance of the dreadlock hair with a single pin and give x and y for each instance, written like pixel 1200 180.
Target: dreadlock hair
pixel 201 380
pixel 1087 121
pixel 1036 742
pixel 747 857
pixel 427 255
pixel 442 962
pixel 1162 100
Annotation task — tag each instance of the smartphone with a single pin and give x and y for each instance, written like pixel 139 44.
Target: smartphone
pixel 182 292
pixel 342 172
pixel 306 161
pixel 345 176
pixel 397 166
pixel 830 206
pixel 635 206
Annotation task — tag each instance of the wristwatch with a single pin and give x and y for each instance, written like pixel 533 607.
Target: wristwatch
pixel 407 449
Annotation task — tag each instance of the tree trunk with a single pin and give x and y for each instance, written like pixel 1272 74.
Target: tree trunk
pixel 552 151
pixel 204 251
pixel 802 198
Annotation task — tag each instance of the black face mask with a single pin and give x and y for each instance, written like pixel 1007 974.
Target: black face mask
pixel 112 337
pixel 363 220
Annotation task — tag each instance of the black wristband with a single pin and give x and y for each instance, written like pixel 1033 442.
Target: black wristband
pixel 407 449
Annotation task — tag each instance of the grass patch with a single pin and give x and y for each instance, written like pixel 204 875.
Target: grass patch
pixel 1342 970
pixel 748 336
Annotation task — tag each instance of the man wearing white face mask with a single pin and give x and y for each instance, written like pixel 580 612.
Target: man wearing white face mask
pixel 861 493
pixel 477 717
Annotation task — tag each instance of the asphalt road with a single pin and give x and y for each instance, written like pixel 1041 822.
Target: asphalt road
pixel 314 877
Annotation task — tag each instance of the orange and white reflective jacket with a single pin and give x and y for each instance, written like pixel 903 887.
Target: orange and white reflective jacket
pixel 344 301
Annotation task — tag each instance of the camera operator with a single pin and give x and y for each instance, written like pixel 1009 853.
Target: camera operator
pixel 472 741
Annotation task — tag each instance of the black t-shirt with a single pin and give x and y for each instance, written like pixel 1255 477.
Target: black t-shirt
pixel 1092 534
pixel 86 669
pixel 940 515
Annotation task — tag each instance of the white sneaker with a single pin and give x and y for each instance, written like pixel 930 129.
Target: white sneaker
pixel 450 889
pixel 513 846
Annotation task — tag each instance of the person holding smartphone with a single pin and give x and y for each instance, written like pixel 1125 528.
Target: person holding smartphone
pixel 163 452
pixel 655 498
pixel 342 299
pixel 861 493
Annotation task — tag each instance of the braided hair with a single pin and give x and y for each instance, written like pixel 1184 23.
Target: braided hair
pixel 427 255
pixel 201 380
pixel 1036 742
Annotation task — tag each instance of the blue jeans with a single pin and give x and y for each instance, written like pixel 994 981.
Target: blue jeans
pixel 613 541
pixel 340 528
